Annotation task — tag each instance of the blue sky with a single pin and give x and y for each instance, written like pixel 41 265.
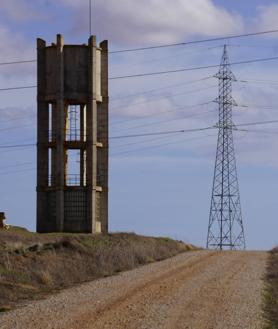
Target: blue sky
pixel 158 185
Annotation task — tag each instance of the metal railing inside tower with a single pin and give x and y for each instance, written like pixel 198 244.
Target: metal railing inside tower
pixel 73 118
pixel 75 123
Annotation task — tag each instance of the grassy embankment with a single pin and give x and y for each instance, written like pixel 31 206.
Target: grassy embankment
pixel 271 293
pixel 32 265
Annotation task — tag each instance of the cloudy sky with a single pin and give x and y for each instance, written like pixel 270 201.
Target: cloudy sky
pixel 159 185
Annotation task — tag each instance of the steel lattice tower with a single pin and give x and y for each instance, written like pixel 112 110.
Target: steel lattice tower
pixel 225 229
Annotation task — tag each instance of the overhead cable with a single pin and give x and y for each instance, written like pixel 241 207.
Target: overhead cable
pixel 16 146
pixel 156 99
pixel 19 62
pixel 17 88
pixel 161 88
pixel 160 113
pixel 256 60
pixel 196 68
pixel 163 133
pixel 167 132
pixel 227 37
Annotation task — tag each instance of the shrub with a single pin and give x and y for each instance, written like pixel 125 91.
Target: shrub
pixel 271 291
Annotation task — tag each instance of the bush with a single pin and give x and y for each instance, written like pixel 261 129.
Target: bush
pixel 271 291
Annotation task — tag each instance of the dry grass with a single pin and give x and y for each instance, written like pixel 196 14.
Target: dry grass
pixel 271 292
pixel 34 264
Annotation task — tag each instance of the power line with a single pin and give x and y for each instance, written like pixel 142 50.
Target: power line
pixel 181 52
pixel 252 46
pixel 259 107
pixel 19 62
pixel 168 120
pixel 157 138
pixel 124 96
pixel 161 145
pixel 167 132
pixel 194 130
pixel 227 37
pixel 166 87
pixel 257 60
pixel 164 96
pixel 256 123
pixel 16 146
pixel 163 133
pixel 126 136
pixel 161 113
pixel 260 131
pixel 17 88
pixel 138 150
pixel 196 68
pixel 170 86
pixel 161 88
pixel 259 81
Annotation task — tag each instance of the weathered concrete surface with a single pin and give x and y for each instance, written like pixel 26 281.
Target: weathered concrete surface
pixel 196 290
pixel 72 75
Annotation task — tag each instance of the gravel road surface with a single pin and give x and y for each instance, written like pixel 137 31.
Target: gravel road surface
pixel 194 290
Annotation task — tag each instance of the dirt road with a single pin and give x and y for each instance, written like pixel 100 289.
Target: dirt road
pixel 195 290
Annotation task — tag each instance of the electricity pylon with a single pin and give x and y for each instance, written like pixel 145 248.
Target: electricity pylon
pixel 225 230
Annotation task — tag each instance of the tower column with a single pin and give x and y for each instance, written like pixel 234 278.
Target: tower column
pixel 42 135
pixel 103 136
pixel 91 160
pixel 60 136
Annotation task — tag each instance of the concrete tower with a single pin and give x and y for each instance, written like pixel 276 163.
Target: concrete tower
pixel 72 149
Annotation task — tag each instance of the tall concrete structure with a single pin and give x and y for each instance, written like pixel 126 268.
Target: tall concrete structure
pixel 72 149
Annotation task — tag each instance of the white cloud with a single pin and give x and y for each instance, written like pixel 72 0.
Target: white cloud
pixel 142 106
pixel 155 21
pixel 267 17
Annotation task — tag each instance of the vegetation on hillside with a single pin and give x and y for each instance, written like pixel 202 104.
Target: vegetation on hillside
pixel 32 265
pixel 271 293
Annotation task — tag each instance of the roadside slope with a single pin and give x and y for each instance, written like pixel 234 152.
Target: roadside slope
pixel 271 291
pixel 200 289
pixel 32 265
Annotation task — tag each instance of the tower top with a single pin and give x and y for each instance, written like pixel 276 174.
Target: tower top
pixel 225 71
pixel 60 42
